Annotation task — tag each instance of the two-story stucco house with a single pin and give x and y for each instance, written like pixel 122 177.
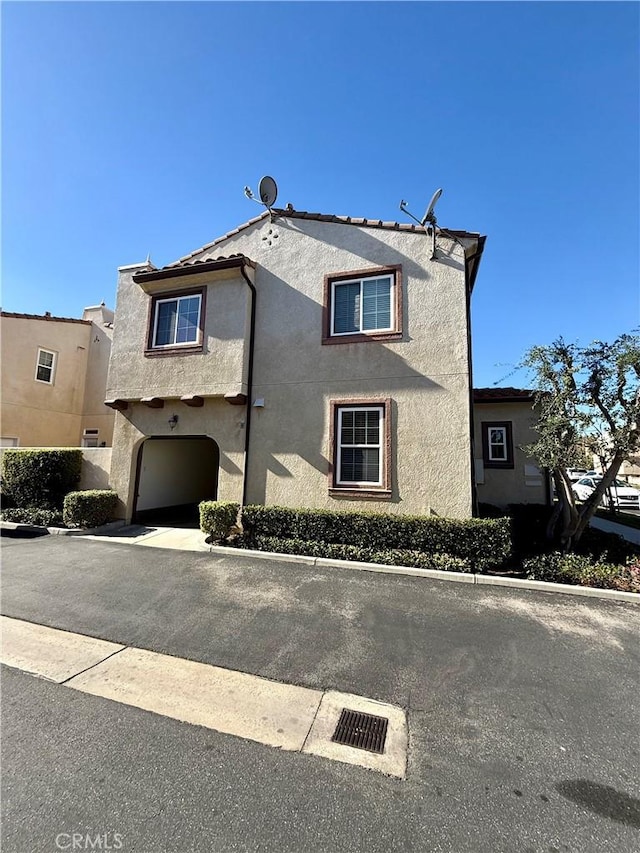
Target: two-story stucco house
pixel 299 360
pixel 54 376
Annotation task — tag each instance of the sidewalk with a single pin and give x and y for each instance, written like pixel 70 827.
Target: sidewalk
pixel 285 716
pixel 179 538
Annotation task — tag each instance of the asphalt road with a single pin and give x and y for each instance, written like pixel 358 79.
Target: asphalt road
pixel 522 707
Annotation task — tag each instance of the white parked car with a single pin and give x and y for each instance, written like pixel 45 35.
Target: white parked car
pixel 624 496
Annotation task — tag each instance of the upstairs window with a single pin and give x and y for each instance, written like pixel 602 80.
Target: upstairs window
pixel 176 322
pixel 45 366
pixel 497 444
pixel 363 305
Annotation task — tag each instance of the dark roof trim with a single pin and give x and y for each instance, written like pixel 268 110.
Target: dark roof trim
pixel 46 317
pixel 474 262
pixel 233 262
pixel 503 395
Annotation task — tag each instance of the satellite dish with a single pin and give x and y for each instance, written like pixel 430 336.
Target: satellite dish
pixel 268 191
pixel 430 215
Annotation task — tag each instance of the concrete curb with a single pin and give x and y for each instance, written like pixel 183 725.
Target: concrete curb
pixel 434 574
pixel 59 531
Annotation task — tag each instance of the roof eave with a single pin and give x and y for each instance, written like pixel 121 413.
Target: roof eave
pixel 196 268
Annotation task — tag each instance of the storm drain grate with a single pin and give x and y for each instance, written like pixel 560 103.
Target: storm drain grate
pixel 363 731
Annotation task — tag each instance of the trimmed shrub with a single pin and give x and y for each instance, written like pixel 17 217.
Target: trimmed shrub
pixel 33 515
pixel 90 508
pixel 481 543
pixel 40 478
pixel 217 518
pixel 336 551
pixel 582 570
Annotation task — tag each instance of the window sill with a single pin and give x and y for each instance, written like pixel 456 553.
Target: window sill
pixel 360 494
pixel 504 465
pixel 362 338
pixel 159 353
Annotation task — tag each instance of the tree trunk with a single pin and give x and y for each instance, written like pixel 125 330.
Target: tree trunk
pixel 567 517
pixel 591 505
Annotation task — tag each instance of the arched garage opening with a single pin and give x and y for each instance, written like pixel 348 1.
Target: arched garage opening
pixel 173 476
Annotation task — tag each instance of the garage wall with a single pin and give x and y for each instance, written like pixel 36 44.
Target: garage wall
pixel 177 471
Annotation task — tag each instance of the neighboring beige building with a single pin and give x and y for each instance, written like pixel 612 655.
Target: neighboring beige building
pixel 54 373
pixel 504 422
pixel 299 360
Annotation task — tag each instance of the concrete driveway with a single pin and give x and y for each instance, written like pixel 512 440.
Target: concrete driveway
pixel 522 706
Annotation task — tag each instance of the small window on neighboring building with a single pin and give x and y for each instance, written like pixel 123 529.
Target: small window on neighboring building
pixel 90 438
pixel 363 305
pixel 176 321
pixel 497 444
pixel 360 457
pixel 45 366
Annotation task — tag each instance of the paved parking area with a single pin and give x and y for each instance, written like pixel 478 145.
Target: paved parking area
pixel 522 707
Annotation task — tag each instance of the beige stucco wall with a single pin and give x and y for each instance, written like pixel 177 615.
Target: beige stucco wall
pixel 425 374
pixel 95 415
pixel 39 414
pixel 96 468
pixel 220 369
pixel 525 482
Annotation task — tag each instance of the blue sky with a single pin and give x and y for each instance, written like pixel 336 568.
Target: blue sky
pixel 130 128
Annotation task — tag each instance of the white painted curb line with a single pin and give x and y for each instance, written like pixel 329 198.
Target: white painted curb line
pixel 434 574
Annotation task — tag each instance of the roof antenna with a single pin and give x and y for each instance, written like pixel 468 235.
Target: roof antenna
pixel 429 217
pixel 267 190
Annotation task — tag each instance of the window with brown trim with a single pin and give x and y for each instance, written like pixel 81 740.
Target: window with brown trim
pixel 360 450
pixel 363 305
pixel 176 322
pixel 497 444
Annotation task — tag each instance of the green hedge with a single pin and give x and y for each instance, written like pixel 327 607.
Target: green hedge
pixel 40 478
pixel 583 570
pixel 217 518
pixel 33 515
pixel 90 508
pixel 335 551
pixel 480 543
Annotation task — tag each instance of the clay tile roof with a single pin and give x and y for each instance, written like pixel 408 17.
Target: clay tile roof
pixel 323 217
pixel 46 317
pixel 208 260
pixel 187 267
pixel 503 395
